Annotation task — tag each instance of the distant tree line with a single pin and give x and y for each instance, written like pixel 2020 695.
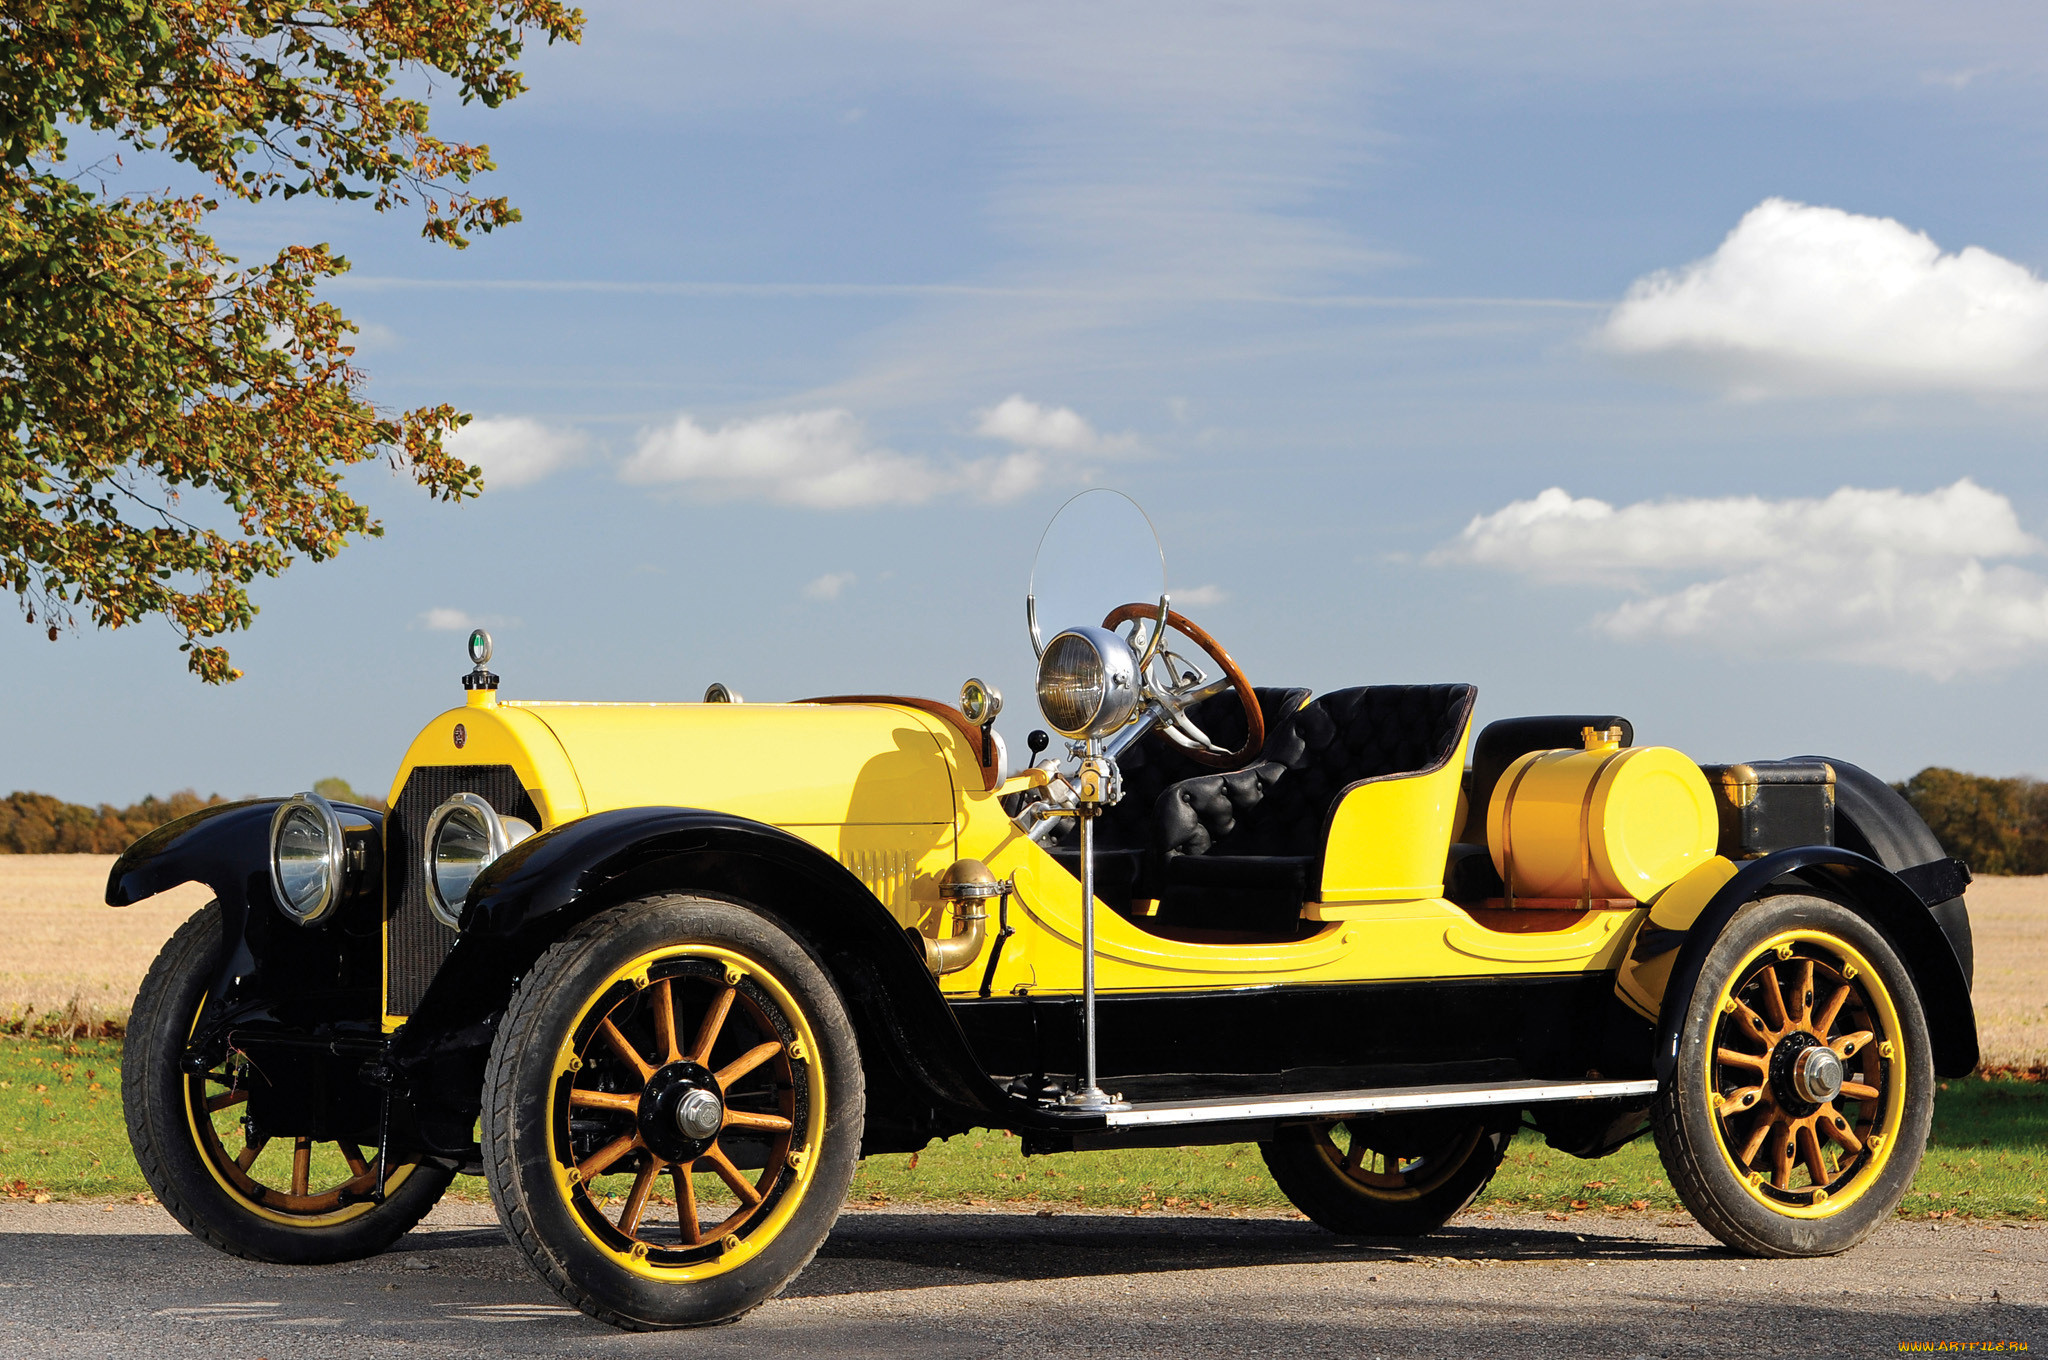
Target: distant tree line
pixel 1999 826
pixel 37 824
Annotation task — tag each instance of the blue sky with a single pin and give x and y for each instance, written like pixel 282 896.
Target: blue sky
pixel 819 311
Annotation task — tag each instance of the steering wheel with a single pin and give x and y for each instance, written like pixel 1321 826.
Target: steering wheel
pixel 1184 686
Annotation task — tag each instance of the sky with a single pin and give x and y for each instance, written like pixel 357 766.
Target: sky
pixel 1687 361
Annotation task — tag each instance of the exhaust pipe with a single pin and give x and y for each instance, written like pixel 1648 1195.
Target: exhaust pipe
pixel 968 884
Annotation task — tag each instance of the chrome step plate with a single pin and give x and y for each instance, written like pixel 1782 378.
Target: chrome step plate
pixel 1337 1104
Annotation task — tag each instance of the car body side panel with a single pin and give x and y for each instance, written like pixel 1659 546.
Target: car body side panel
pixel 1387 837
pixel 1418 936
pixel 1263 1040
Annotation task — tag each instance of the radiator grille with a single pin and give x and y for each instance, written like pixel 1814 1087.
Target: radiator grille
pixel 416 943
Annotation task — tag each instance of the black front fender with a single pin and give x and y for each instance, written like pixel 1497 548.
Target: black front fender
pixel 1873 892
pixel 545 887
pixel 268 969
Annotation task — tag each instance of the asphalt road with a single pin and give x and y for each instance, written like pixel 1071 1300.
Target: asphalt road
pixel 87 1281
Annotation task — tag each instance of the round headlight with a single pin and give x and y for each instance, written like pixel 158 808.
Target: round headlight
pixel 1087 682
pixel 305 857
pixel 463 836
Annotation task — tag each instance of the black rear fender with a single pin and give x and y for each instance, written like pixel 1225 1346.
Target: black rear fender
pixel 547 886
pixel 1871 891
pixel 1874 819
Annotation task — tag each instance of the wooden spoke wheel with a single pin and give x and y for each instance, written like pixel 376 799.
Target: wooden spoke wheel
pixel 1389 1176
pixel 690 1069
pixel 273 1194
pixel 1803 1096
pixel 673 1111
pixel 292 1179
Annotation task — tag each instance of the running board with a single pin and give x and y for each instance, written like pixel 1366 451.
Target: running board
pixel 1337 1104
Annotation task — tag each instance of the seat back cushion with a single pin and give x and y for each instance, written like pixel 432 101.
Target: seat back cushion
pixel 1281 806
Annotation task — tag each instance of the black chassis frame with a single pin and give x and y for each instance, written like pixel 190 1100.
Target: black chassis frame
pixel 309 1001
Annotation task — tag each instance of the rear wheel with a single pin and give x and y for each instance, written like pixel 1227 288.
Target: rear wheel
pixel 673 1112
pixel 1804 1090
pixel 272 1195
pixel 1389 1175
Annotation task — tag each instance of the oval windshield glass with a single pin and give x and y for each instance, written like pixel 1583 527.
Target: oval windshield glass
pixel 1099 552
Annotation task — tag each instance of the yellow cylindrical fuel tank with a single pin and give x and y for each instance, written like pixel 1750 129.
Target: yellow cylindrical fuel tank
pixel 1604 822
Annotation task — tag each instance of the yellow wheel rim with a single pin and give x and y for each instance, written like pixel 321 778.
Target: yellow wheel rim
pixel 1383 1175
pixel 691 1064
pixel 1797 992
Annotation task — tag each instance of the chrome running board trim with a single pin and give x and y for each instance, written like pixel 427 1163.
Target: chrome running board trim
pixel 1336 1104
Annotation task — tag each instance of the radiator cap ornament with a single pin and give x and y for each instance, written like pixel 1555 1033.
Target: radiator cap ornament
pixel 479 653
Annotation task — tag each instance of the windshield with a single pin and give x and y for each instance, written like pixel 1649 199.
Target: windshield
pixel 1100 551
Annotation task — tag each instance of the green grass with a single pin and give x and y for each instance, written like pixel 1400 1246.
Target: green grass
pixel 60 1119
pixel 61 1135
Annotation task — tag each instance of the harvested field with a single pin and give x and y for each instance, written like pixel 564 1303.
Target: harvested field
pixel 2009 921
pixel 59 943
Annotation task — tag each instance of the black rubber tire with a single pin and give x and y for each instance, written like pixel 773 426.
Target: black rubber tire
pixel 1320 1188
pixel 1685 1124
pixel 153 1091
pixel 518 1100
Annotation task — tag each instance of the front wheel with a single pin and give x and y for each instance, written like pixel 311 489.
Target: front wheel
pixel 1389 1175
pixel 1804 1089
pixel 673 1112
pixel 271 1194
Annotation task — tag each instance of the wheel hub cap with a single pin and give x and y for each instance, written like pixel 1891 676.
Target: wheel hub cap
pixel 1817 1075
pixel 681 1111
pixel 700 1113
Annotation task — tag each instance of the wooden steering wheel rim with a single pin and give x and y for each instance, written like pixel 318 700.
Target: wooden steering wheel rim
pixel 1254 715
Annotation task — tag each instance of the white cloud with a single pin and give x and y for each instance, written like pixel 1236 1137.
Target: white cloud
pixel 1200 597
pixel 1880 577
pixel 444 620
pixel 820 459
pixel 825 459
pixel 1801 298
pixel 1018 420
pixel 516 450
pixel 830 586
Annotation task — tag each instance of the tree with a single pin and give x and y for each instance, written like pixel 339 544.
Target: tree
pixel 2000 826
pixel 141 368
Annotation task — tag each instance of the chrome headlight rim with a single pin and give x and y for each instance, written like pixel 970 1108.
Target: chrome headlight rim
pixel 331 870
pixel 500 833
pixel 1118 668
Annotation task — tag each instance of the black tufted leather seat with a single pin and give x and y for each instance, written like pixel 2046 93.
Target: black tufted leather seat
pixel 1123 833
pixel 1244 850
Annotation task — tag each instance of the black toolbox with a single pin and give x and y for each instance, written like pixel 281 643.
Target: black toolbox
pixel 1768 805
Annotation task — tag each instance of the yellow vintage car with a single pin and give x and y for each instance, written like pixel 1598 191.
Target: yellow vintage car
pixel 664 972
